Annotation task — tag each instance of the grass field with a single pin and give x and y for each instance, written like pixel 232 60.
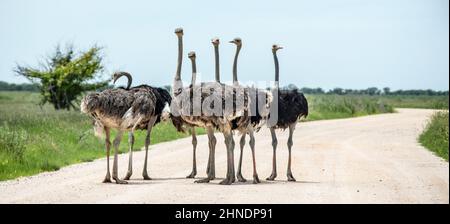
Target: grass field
pixel 435 135
pixel 338 106
pixel 35 139
pixel 430 102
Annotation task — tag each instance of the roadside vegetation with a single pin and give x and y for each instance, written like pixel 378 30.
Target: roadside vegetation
pixel 325 106
pixel 425 102
pixel 435 136
pixel 37 138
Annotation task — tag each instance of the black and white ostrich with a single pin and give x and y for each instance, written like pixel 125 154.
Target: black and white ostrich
pixel 215 92
pixel 140 107
pixel 291 106
pixel 260 101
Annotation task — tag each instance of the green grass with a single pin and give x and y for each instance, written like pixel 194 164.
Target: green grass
pixel 429 102
pixel 343 106
pixel 35 139
pixel 435 135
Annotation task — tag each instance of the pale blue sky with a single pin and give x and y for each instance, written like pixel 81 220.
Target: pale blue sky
pixel 328 43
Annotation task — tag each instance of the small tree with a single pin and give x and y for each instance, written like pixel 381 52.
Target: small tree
pixel 65 75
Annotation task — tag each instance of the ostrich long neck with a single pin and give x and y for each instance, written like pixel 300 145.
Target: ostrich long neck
pixel 235 79
pixel 194 71
pixel 277 70
pixel 180 58
pixel 130 79
pixel 216 53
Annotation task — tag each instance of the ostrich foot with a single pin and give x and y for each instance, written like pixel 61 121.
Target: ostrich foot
pixel 240 178
pixel 107 179
pixel 256 179
pixel 192 175
pixel 272 176
pixel 119 181
pixel 205 180
pixel 290 177
pixel 127 177
pixel 146 177
pixel 227 181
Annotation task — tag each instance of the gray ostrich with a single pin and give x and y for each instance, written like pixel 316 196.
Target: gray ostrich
pixel 140 107
pixel 292 105
pixel 164 97
pixel 253 119
pixel 211 121
pixel 212 140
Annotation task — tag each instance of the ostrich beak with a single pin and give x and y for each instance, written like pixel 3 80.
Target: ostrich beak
pixel 232 42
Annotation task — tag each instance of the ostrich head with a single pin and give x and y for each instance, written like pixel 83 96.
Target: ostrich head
pixel 237 41
pixel 179 31
pixel 276 47
pixel 215 41
pixel 191 55
pixel 116 76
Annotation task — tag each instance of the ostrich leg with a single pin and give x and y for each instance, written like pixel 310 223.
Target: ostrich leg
pixel 252 146
pixel 116 144
pixel 212 144
pixel 194 157
pixel 230 158
pixel 289 144
pixel 108 148
pixel 147 143
pixel 274 161
pixel 239 171
pixel 212 150
pixel 130 157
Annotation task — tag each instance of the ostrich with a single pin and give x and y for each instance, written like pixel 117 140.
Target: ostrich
pixel 292 105
pixel 253 121
pixel 192 56
pixel 212 121
pixel 164 98
pixel 140 107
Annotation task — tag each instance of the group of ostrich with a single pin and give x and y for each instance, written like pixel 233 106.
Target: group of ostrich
pixel 242 110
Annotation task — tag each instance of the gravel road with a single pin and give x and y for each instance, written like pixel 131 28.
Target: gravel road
pixel 371 159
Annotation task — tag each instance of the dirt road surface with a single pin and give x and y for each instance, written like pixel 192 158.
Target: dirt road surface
pixel 372 159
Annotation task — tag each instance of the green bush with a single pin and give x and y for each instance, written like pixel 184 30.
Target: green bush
pixel 13 142
pixel 435 135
